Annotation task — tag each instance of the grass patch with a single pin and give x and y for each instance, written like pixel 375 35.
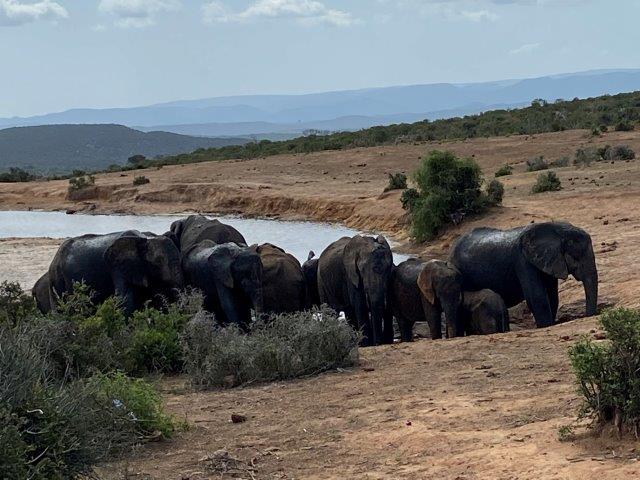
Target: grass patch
pixel 504 170
pixel 547 182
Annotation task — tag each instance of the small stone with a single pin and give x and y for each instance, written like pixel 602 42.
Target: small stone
pixel 237 418
pixel 408 423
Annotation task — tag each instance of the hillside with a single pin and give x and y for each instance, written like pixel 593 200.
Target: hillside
pixel 62 148
pixel 345 110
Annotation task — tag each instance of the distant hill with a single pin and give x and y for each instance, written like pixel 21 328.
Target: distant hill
pixel 62 148
pixel 344 110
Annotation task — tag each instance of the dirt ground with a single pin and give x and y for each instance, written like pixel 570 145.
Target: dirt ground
pixel 469 408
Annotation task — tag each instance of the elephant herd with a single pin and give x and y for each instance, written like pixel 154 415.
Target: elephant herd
pixel 487 271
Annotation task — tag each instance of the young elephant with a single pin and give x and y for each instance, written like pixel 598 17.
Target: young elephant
pixel 189 231
pixel 484 312
pixel 229 276
pixel 310 272
pixel 441 286
pixel 283 285
pixel 40 292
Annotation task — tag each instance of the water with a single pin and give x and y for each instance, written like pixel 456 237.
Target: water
pixel 296 238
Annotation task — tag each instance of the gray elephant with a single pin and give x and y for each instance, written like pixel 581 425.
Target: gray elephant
pixel 40 292
pixel 310 272
pixel 525 263
pixel 484 312
pixel 440 284
pixel 283 285
pixel 134 266
pixel 405 300
pixel 229 276
pixel 352 277
pixel 191 230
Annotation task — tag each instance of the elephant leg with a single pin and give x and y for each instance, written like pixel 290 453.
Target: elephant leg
pixel 535 294
pixel 228 306
pixel 127 296
pixel 552 292
pixel 387 329
pixel 405 326
pixel 361 314
pixel 433 316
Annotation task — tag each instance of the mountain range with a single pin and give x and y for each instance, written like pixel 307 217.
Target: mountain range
pixel 291 115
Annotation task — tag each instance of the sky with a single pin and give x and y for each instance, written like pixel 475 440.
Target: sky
pixel 61 54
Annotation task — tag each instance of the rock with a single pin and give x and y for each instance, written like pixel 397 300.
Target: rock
pixel 71 211
pixel 238 418
pixel 408 423
pixel 369 369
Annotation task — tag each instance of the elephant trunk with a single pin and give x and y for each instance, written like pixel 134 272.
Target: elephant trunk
pixel 258 302
pixel 590 284
pixel 455 327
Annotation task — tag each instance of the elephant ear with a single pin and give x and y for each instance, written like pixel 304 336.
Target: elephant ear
pixel 126 256
pixel 542 245
pixel 221 261
pixel 425 284
pixel 311 255
pixel 350 259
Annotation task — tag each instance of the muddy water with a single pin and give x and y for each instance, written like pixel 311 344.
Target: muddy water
pixel 297 238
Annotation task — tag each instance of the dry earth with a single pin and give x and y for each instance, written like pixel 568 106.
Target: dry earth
pixel 471 408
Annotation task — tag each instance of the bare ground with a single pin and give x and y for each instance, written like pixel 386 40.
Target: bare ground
pixel 471 408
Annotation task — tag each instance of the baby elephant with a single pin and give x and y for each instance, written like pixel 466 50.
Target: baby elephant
pixel 484 312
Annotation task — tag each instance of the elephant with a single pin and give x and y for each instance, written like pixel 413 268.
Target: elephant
pixel 353 274
pixel 310 272
pixel 405 300
pixel 525 263
pixel 40 292
pixel 191 230
pixel 230 277
pixel 440 285
pixel 283 284
pixel 134 266
pixel 484 312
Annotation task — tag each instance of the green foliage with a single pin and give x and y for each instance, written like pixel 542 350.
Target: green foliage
pixel 586 156
pixel 624 126
pixel 448 188
pixel 137 161
pixel 80 182
pixel 397 181
pixel 409 198
pixel 619 152
pixel 15 175
pixel 141 180
pixel 536 164
pixel 287 346
pixel 607 373
pixel 15 305
pixel 495 192
pixel 547 182
pixel 560 162
pixel 504 170
pixel 566 433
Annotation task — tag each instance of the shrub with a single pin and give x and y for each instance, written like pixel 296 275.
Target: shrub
pixel 504 170
pixel 536 164
pixel 447 186
pixel 397 181
pixel 607 373
pixel 141 180
pixel 560 162
pixel 619 152
pixel 586 156
pixel 77 183
pixel 409 198
pixel 495 192
pixel 287 346
pixel 15 175
pixel 547 182
pixel 624 127
pixel 15 305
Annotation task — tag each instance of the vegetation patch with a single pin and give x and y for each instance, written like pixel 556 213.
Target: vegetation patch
pixel 449 188
pixel 286 346
pixel 536 164
pixel 607 372
pixel 547 182
pixel 15 175
pixel 397 181
pixel 504 170
pixel 141 180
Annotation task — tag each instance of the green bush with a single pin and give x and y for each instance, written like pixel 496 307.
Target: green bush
pixel 15 305
pixel 15 175
pixel 586 156
pixel 560 162
pixel 547 182
pixel 619 152
pixel 287 346
pixel 504 170
pixel 495 192
pixel 141 180
pixel 81 182
pixel 607 373
pixel 448 188
pixel 397 181
pixel 624 127
pixel 536 164
pixel 409 198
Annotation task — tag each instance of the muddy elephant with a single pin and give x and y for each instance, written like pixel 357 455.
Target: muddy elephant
pixel 134 266
pixel 353 274
pixel 310 272
pixel 283 285
pixel 440 284
pixel 525 263
pixel 40 292
pixel 484 312
pixel 191 230
pixel 230 277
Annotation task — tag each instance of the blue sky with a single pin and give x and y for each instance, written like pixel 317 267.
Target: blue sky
pixel 60 54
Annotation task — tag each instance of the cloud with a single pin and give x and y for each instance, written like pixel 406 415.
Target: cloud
pixel 304 11
pixel 137 13
pixel 526 48
pixel 14 13
pixel 479 15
